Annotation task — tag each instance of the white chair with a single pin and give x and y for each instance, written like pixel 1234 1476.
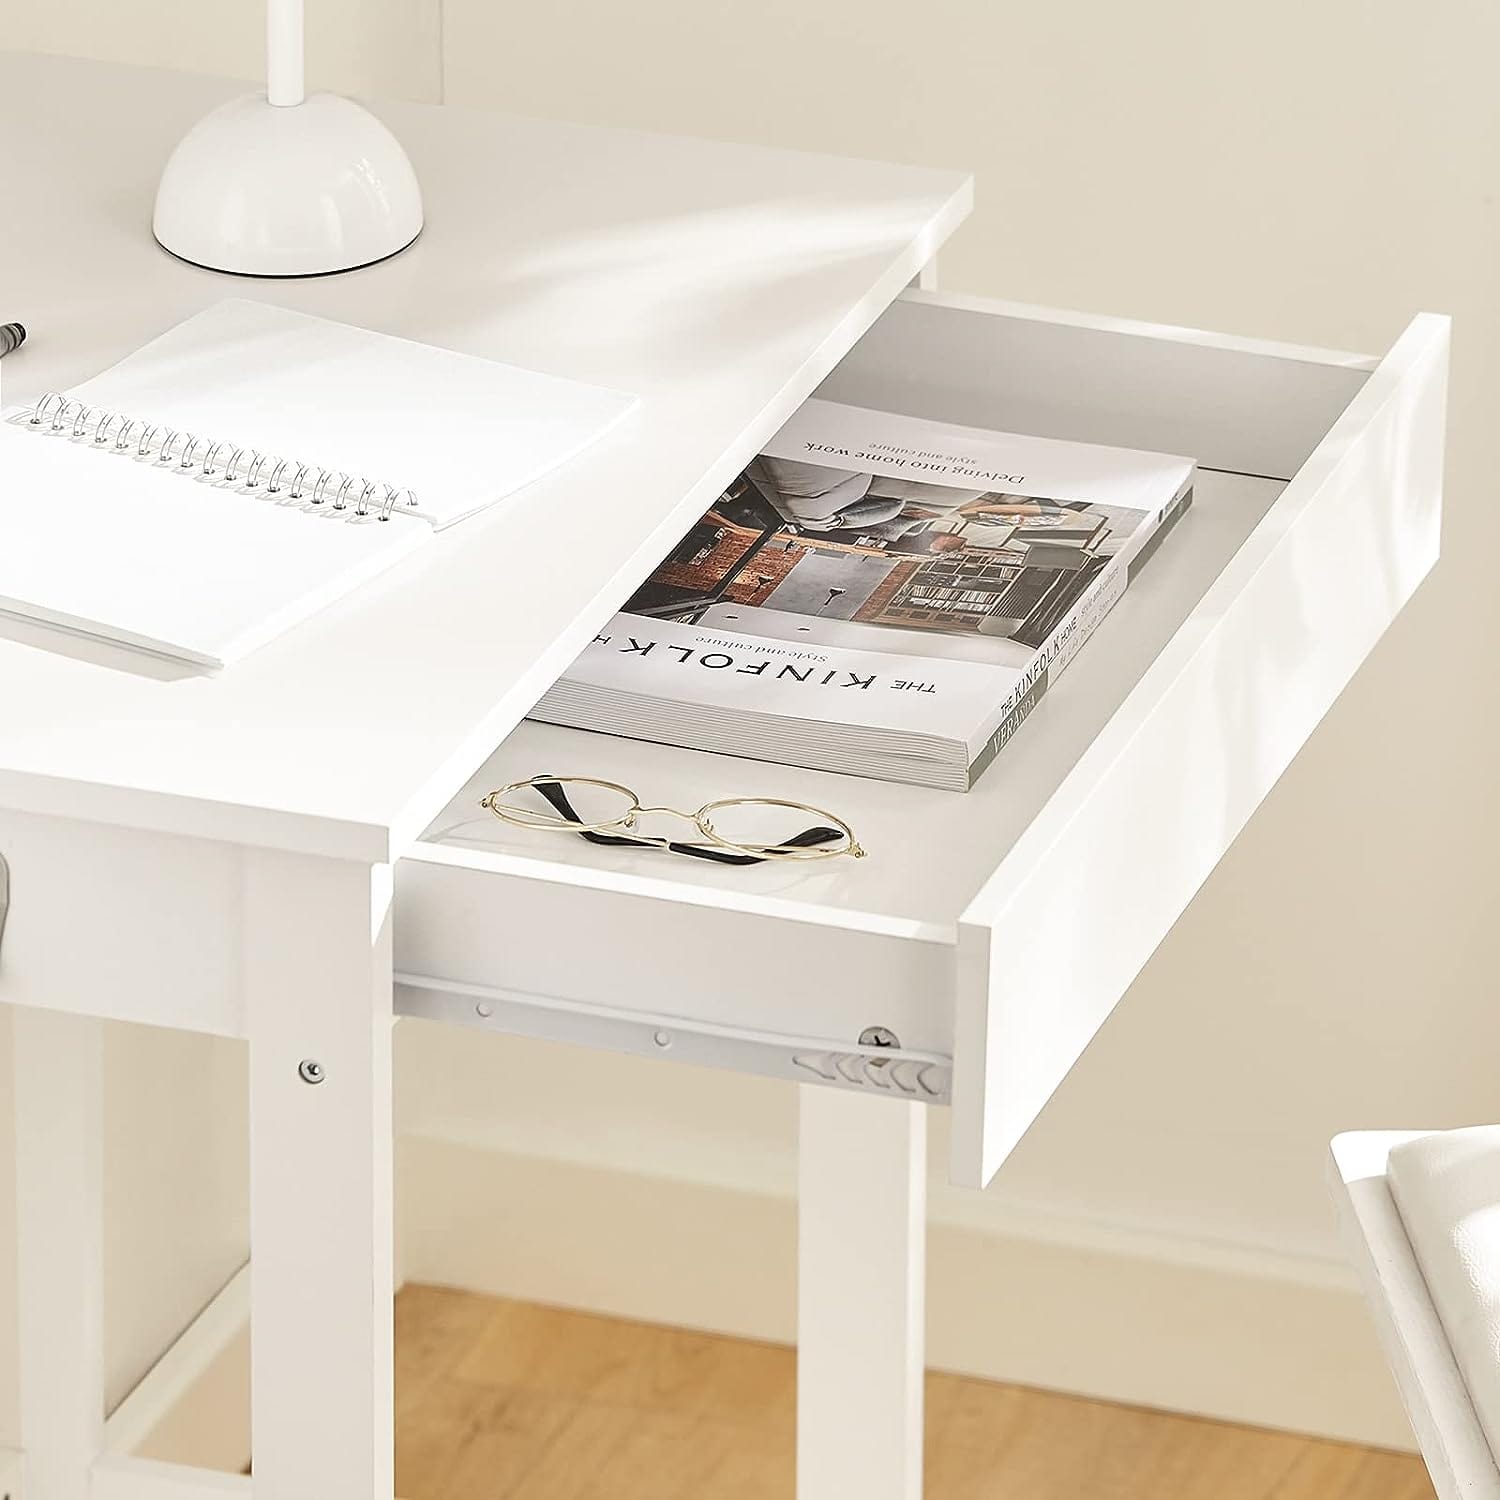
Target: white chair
pixel 1444 1417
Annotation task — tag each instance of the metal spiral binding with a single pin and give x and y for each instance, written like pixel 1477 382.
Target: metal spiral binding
pixel 247 468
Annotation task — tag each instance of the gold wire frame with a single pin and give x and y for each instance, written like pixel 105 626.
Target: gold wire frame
pixel 625 824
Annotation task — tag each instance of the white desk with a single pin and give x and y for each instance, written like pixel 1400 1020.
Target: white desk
pixel 261 855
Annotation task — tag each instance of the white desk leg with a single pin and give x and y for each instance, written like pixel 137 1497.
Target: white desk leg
pixel 59 1078
pixel 318 1005
pixel 861 1240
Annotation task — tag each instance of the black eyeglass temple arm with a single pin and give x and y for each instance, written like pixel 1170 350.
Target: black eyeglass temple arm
pixel 558 798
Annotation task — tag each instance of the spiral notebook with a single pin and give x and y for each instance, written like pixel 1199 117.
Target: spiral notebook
pixel 253 465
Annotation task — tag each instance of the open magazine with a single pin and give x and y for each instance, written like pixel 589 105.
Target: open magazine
pixel 877 594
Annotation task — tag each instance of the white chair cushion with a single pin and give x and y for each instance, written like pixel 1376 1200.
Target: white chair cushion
pixel 1447 1190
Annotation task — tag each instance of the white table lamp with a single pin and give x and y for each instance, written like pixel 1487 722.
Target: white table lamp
pixel 287 184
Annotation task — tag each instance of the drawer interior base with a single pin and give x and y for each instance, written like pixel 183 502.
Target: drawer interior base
pixel 929 850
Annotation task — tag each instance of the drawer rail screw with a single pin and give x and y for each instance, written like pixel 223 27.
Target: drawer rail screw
pixel 310 1070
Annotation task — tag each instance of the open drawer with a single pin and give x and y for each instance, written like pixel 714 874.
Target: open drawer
pixel 990 933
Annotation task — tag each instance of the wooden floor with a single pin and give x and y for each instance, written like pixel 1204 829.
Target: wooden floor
pixel 502 1400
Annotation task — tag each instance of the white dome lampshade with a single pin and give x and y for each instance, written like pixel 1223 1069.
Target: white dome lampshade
pixel 287 184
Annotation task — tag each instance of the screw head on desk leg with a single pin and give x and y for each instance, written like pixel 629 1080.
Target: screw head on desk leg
pixel 310 1070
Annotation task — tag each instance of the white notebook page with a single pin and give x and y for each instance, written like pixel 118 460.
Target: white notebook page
pixel 100 542
pixel 460 431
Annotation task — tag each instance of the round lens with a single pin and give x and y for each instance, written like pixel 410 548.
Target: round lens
pixel 766 826
pixel 564 802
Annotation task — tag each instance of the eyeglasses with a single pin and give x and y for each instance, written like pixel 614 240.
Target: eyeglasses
pixel 734 830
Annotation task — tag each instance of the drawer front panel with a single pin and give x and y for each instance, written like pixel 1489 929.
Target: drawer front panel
pixel 1154 803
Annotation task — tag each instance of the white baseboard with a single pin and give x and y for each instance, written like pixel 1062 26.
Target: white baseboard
pixel 1243 1334
pixel 1238 1333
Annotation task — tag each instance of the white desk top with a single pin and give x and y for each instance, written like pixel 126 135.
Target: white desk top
pixel 719 282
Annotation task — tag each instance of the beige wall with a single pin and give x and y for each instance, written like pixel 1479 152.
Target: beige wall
pixel 1314 173
pixel 381 48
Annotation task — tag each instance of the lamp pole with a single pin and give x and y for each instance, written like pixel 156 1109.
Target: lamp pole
pixel 284 67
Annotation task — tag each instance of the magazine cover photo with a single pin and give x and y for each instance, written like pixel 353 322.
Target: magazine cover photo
pixel 865 561
pixel 877 593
